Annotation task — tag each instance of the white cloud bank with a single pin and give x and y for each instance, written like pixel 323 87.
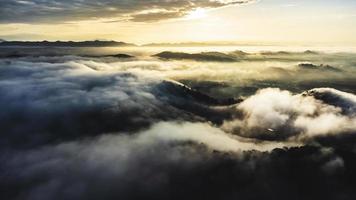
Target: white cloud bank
pixel 276 114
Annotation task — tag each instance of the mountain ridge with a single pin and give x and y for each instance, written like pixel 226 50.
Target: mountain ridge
pixel 45 43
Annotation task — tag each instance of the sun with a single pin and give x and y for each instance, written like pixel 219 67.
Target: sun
pixel 197 14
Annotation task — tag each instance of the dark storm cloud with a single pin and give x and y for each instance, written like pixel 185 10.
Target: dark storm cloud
pixel 71 10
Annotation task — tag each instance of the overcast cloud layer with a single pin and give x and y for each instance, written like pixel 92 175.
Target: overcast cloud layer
pixel 37 11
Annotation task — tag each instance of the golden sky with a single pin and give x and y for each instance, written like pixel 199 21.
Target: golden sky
pixel 302 22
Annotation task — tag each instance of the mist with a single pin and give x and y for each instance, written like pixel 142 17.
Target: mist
pixel 106 124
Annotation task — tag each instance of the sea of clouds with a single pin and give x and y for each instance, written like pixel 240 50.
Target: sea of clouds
pixel 92 129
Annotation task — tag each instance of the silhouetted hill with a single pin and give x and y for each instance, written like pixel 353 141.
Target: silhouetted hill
pixel 95 43
pixel 310 66
pixel 204 44
pixel 204 56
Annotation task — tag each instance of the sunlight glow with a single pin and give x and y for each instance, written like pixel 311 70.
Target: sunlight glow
pixel 197 14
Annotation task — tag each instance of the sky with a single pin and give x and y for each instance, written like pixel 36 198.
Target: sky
pixel 302 22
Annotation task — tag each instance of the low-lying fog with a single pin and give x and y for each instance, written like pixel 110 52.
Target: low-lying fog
pixel 178 123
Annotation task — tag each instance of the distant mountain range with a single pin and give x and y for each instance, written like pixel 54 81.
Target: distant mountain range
pixel 112 43
pixel 95 43
pixel 202 44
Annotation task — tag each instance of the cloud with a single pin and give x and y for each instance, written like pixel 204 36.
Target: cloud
pixel 278 115
pixel 155 162
pixel 37 11
pixel 213 138
pixel 84 128
pixel 343 100
pixel 167 159
pixel 45 102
